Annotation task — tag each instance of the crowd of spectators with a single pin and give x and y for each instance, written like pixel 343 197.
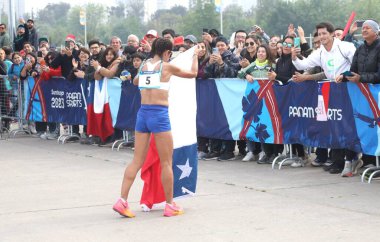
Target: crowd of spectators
pixel 248 55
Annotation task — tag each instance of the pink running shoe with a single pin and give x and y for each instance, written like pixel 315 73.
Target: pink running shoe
pixel 123 209
pixel 172 210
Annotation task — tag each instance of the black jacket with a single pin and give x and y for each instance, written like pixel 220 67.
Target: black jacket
pixel 229 69
pixel 72 76
pixel 244 54
pixel 65 62
pixel 90 71
pixel 366 62
pixel 285 68
pixel 19 40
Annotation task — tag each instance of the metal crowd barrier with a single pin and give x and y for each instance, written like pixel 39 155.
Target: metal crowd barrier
pixel 369 173
pixel 11 107
pixel 69 136
pixel 123 142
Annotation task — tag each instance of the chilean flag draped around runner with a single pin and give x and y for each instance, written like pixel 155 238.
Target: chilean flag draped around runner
pixel 99 119
pixel 182 113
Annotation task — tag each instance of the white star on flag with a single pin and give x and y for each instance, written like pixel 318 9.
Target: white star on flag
pixel 186 169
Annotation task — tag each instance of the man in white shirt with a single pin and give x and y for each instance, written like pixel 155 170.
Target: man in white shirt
pixel 335 57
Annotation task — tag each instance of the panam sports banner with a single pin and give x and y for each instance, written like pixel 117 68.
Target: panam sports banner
pixel 55 100
pixel 326 114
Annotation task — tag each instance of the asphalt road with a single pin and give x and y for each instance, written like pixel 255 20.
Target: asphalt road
pixel 51 192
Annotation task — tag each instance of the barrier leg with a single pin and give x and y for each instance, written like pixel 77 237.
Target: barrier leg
pixel 71 136
pixel 291 158
pixel 20 112
pixel 280 157
pixel 372 171
pixel 377 171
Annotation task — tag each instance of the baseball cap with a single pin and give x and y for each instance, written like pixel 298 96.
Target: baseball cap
pixel 192 38
pixel 43 39
pixel 152 32
pixel 70 37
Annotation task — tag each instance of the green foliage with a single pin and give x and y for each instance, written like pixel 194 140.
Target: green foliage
pixel 201 15
pixel 235 19
pixel 59 19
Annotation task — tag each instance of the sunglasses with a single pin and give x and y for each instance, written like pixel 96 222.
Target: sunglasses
pixel 250 43
pixel 289 45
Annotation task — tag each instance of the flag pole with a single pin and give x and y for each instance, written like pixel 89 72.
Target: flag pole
pixel 85 32
pixel 221 17
pixel 83 21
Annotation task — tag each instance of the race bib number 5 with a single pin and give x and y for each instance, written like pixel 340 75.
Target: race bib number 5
pixel 149 80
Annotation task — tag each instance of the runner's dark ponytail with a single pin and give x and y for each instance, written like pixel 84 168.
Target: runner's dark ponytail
pixel 160 45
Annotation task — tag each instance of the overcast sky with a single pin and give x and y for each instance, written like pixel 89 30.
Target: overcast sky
pixel 42 3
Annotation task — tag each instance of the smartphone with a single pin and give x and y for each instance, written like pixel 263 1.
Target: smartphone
pixel 359 23
pixel 297 42
pixel 347 73
pixel 215 51
pixel 67 44
pixel 39 54
pixel 254 28
pixel 205 31
pixel 27 60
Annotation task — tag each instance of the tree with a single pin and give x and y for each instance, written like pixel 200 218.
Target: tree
pixel 53 13
pixel 201 15
pixel 96 17
pixel 51 22
pixel 234 18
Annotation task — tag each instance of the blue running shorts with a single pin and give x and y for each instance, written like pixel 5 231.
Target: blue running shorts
pixel 153 119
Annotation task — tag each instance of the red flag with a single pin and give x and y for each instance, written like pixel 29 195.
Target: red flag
pixel 99 119
pixel 153 192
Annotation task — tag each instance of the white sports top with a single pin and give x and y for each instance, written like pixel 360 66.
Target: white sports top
pixel 151 78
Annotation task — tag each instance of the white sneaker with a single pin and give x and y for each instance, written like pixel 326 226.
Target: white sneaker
pixel 248 157
pixel 347 170
pixel 356 165
pixel 297 163
pixel 44 136
pixel 32 128
pixel 300 162
pixel 52 136
pixel 201 155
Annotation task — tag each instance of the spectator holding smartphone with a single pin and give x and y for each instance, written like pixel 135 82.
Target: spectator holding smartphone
pixel 203 58
pixel 350 35
pixel 365 68
pixel 64 59
pixel 22 36
pixel 210 37
pixel 341 54
pixel 222 63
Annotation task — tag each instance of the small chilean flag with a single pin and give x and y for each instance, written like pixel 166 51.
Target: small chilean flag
pixel 99 119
